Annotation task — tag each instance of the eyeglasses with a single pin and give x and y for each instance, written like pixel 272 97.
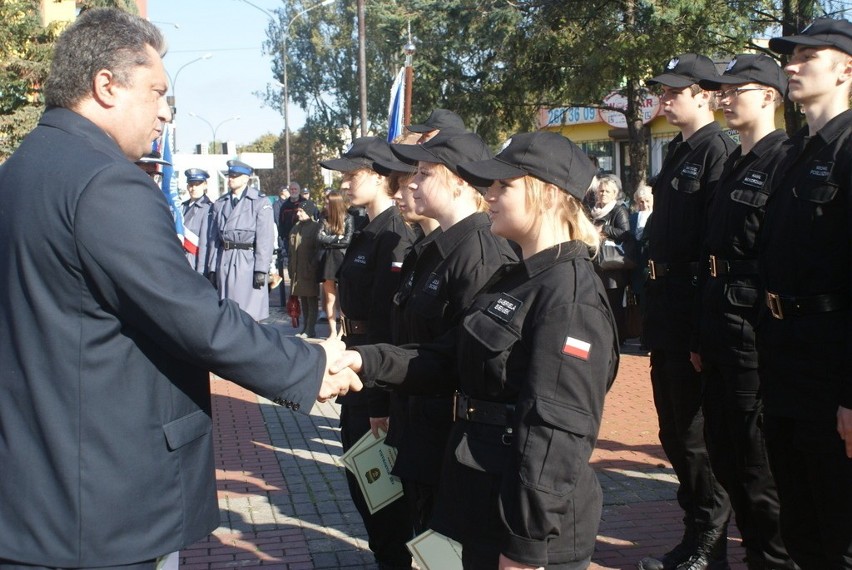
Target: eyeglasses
pixel 732 93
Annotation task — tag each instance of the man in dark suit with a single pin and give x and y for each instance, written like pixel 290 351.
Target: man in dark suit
pixel 106 333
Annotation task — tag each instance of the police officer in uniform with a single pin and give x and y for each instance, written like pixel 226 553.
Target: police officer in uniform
pixel 804 336
pixel 534 355
pixel 442 275
pixel 693 164
pixel 749 92
pixel 241 243
pixel 196 218
pixel 367 280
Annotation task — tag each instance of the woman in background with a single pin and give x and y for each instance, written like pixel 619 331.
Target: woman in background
pixel 334 237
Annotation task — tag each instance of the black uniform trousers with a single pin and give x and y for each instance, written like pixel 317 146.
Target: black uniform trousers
pixel 678 395
pixel 149 565
pixel 814 478
pixel 733 416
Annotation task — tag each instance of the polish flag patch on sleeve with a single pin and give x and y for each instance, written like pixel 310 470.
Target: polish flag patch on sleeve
pixel 396 266
pixel 577 348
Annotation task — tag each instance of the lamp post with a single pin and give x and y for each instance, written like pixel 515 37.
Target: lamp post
pixel 173 81
pixel 283 84
pixel 215 129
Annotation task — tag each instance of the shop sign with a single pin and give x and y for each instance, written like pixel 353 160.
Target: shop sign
pixel 650 109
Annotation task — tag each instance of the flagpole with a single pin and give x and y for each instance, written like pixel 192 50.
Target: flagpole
pixel 409 78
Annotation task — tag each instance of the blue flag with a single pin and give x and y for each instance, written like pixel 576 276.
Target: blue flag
pixel 396 109
pixel 169 184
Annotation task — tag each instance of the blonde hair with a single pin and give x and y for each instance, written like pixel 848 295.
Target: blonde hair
pixel 450 180
pixel 568 211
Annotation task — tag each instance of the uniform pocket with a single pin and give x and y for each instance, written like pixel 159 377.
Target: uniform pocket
pixel 481 454
pixel 488 348
pixel 741 295
pixel 822 194
pixel 748 197
pixel 187 429
pixel 557 446
pixel 686 185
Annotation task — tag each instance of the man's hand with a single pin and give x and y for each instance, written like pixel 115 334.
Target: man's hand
pixel 336 382
pixel 844 428
pixel 259 279
pixel 350 359
pixel 377 424
pixel 508 564
pixel 695 360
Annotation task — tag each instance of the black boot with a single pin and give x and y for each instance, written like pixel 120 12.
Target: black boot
pixel 676 555
pixel 712 552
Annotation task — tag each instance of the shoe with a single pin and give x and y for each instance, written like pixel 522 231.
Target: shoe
pixel 711 553
pixel 677 555
pixel 274 280
pixel 301 335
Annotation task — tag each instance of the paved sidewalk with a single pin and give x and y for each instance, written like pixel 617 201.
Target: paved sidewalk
pixel 284 502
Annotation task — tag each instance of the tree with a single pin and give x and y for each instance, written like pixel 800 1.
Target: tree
pixel 304 160
pixel 25 51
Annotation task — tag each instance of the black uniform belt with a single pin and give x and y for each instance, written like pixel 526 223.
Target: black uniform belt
pixel 351 327
pixel 657 269
pixel 783 306
pixel 732 266
pixel 482 411
pixel 234 245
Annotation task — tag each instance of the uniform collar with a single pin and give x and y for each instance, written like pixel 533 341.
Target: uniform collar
pixel 832 129
pixel 699 136
pixel 455 235
pixel 560 253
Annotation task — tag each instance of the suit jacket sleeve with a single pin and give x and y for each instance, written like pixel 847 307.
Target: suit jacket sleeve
pixel 154 293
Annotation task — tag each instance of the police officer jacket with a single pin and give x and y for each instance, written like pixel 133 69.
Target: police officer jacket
pixel 537 351
pixel 681 193
pixel 196 218
pixel 805 258
pixel 449 270
pixel 730 297
pixel 241 243
pixel 367 280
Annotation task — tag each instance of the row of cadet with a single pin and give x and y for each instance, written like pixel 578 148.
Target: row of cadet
pixel 486 341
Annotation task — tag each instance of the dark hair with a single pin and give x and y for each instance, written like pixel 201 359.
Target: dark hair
pixel 101 38
pixel 335 209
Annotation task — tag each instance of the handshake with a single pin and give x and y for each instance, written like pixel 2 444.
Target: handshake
pixel 341 370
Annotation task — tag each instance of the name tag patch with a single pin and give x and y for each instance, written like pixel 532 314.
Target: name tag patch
pixel 820 170
pixel 755 179
pixel 360 259
pixel 505 307
pixel 576 348
pixel 691 171
pixel 433 285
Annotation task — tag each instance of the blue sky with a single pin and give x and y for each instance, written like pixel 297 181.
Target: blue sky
pixel 224 85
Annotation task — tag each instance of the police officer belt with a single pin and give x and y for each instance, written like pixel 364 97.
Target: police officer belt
pixel 481 411
pixel 656 269
pixel 234 245
pixel 351 327
pixel 782 306
pixel 732 267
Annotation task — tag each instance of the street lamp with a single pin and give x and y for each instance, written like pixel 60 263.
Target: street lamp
pixel 173 81
pixel 215 129
pixel 283 84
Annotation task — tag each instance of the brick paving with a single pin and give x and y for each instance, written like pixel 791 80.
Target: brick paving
pixel 284 503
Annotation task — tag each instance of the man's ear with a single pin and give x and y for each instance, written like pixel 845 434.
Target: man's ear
pixel 104 88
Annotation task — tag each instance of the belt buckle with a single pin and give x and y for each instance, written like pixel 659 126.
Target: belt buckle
pixel 773 301
pixel 652 269
pixel 455 405
pixel 226 245
pixel 713 270
pixel 344 329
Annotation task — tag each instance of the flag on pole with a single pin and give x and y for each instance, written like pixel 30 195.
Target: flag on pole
pixel 396 109
pixel 170 189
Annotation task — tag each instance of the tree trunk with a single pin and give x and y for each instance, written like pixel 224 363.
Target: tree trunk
pixel 637 137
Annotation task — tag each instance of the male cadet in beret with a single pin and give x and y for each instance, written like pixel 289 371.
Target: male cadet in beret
pixel 439 121
pixel 106 435
pixel 749 92
pixel 241 243
pixel 693 163
pixel 804 337
pixel 196 218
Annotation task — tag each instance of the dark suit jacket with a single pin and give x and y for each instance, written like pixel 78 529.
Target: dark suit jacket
pixel 106 336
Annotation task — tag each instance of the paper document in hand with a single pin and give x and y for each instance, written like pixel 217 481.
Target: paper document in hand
pixel 434 551
pixel 371 461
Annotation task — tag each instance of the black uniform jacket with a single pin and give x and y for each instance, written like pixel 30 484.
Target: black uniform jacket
pixel 806 250
pixel 448 270
pixel 540 338
pixel 681 194
pixel 367 280
pixel 106 336
pixel 730 302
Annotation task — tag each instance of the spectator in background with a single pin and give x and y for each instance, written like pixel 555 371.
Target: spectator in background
pixel 241 243
pixel 643 202
pixel 287 212
pixel 196 218
pixel 302 265
pixel 335 233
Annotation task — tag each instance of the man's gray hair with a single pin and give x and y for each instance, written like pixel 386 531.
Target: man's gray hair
pixel 101 38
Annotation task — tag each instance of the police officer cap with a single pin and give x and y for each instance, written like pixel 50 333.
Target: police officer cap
pixel 362 153
pixel 546 155
pixel 684 70
pixel 439 119
pixel 823 32
pixel 153 157
pixel 239 167
pixel 196 175
pixel 449 149
pixel 750 68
